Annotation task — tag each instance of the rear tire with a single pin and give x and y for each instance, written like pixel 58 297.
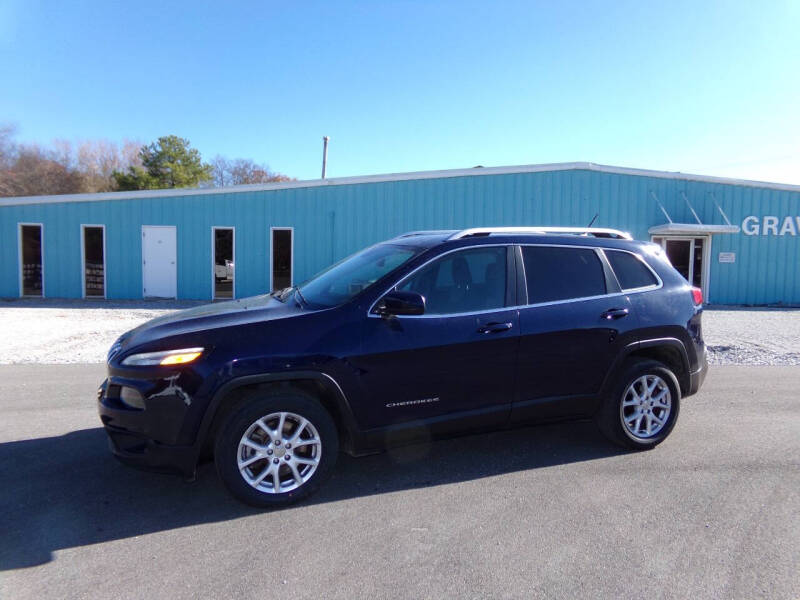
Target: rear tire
pixel 642 408
pixel 276 449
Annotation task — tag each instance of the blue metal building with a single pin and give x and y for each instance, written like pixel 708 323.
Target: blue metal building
pixel 736 239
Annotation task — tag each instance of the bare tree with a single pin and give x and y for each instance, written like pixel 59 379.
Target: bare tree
pixel 242 171
pixel 96 160
pixel 220 171
pixel 7 146
pixel 62 152
pixel 33 172
pixel 64 167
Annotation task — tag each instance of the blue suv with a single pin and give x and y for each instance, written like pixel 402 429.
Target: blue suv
pixel 429 334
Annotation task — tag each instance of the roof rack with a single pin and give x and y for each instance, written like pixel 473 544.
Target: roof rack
pixel 600 232
pixel 429 232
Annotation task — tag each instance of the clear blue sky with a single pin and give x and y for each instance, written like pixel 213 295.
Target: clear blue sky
pixel 707 87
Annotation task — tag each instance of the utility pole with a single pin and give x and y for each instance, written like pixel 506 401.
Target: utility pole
pixel 324 154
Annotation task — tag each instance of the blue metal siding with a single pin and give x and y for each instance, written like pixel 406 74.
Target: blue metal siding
pixel 333 221
pixel 9 272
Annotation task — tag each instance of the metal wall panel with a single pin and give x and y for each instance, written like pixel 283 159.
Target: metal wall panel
pixel 333 221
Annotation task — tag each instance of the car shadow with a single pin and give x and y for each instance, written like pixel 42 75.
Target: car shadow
pixel 68 491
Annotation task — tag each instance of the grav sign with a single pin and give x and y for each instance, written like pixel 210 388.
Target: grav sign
pixel 770 225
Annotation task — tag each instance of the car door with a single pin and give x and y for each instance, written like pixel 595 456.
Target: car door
pixel 574 325
pixel 458 359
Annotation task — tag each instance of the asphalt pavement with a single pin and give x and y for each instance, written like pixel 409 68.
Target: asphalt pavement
pixel 543 512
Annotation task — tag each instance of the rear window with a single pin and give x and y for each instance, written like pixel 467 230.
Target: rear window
pixel 631 272
pixel 554 273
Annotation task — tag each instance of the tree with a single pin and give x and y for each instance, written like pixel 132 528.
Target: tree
pixel 242 171
pixel 7 146
pixel 97 160
pixel 62 168
pixel 220 171
pixel 31 170
pixel 91 166
pixel 169 162
pixel 33 173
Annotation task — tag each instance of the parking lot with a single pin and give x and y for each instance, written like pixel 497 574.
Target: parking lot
pixel 544 512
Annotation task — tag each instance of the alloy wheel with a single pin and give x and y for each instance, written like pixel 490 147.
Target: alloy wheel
pixel 279 452
pixel 646 406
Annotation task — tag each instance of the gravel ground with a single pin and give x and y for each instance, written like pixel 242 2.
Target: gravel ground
pixel 78 331
pixel 71 331
pixel 752 336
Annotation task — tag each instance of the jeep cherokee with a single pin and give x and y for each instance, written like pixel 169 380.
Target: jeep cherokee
pixel 425 335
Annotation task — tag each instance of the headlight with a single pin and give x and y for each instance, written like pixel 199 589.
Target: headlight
pixel 166 357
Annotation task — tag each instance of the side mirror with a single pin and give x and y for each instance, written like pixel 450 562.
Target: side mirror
pixel 400 303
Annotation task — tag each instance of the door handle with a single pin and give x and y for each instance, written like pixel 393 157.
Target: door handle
pixel 615 313
pixel 494 327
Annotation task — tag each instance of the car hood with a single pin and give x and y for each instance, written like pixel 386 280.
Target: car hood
pixel 256 309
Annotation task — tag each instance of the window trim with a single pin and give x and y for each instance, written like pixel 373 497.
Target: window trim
pixel 509 274
pixel 19 258
pixel 83 262
pixel 271 266
pixel 522 286
pixel 214 229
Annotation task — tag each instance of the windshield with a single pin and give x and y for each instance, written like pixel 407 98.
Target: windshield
pixel 348 277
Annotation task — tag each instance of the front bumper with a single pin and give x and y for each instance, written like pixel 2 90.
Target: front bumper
pixel 145 438
pixel 138 451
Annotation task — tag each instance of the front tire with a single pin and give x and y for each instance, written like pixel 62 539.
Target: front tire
pixel 276 449
pixel 643 407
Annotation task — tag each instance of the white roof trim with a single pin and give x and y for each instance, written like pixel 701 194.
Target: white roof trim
pixel 473 172
pixel 595 231
pixel 691 228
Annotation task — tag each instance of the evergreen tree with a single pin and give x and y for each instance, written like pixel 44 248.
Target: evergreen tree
pixel 169 162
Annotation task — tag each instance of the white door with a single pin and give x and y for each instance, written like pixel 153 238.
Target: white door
pixel 159 262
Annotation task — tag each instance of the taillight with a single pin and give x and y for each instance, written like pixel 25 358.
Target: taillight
pixel 697 294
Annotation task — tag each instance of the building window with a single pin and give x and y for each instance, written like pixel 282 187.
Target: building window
pixel 31 263
pixel 223 260
pixel 281 251
pixel 94 261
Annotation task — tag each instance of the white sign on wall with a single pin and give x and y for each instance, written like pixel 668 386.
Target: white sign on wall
pixel 727 257
pixel 771 225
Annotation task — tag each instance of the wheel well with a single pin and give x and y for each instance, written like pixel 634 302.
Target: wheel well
pixel 671 357
pixel 316 389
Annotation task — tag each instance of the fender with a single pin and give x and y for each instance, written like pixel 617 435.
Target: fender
pixel 326 380
pixel 671 342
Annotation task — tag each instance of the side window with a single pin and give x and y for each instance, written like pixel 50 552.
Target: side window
pixel 553 273
pixel 465 281
pixel 630 271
